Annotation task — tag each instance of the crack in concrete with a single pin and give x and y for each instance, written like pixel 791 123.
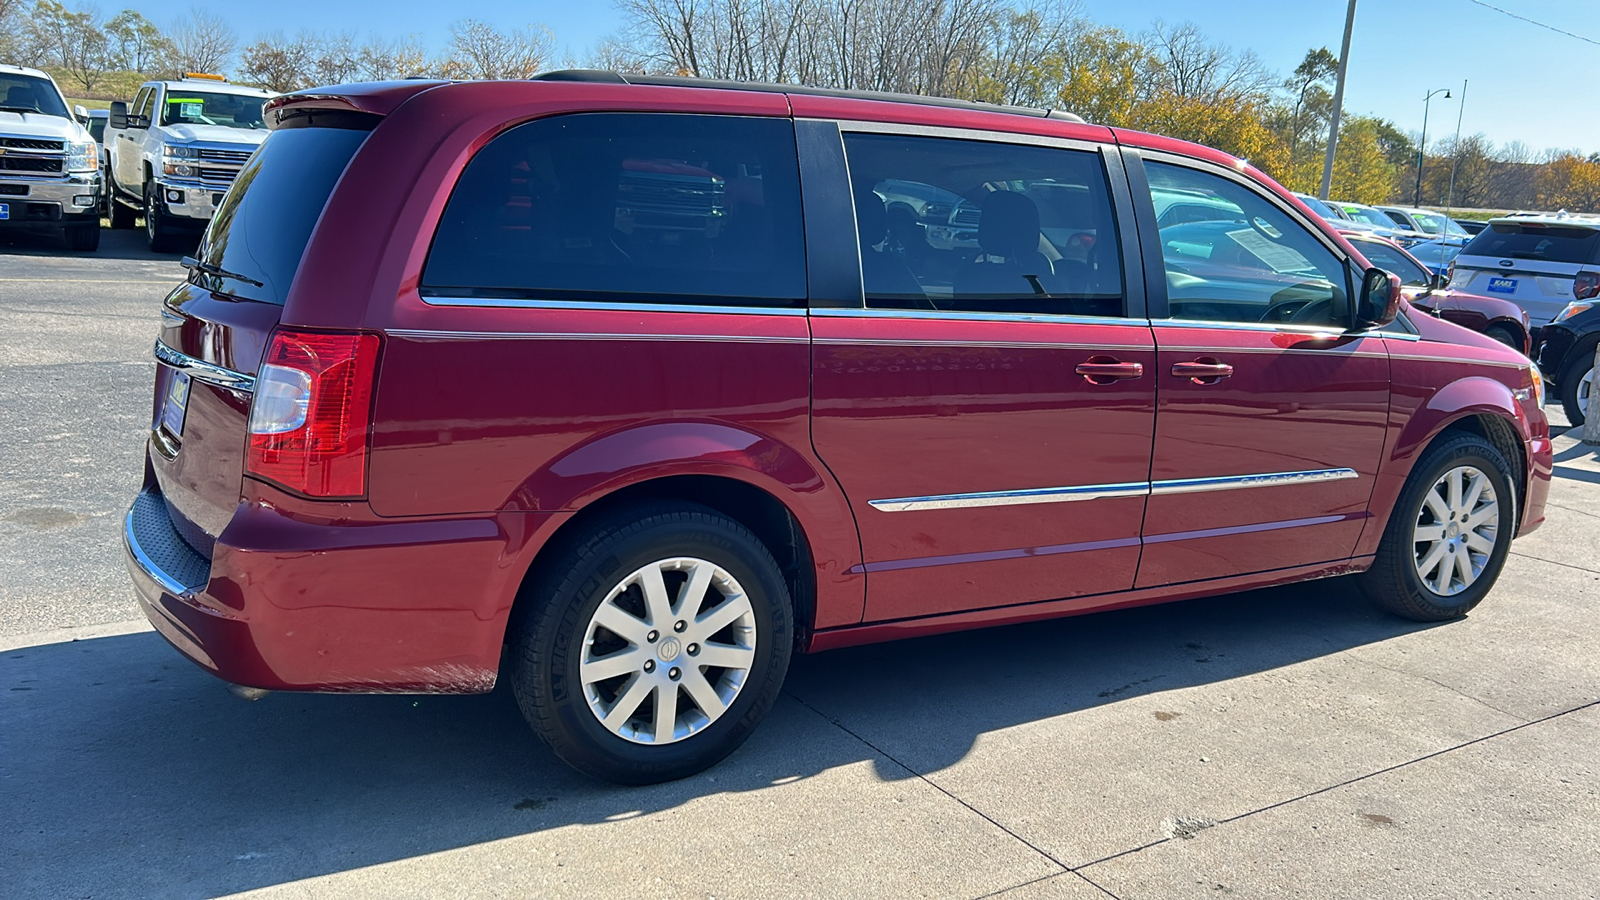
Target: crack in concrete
pixel 1430 679
pixel 1040 880
pixel 1554 563
pixel 1359 778
pixel 1571 510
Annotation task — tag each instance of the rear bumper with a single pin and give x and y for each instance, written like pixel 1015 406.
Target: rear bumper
pixel 416 606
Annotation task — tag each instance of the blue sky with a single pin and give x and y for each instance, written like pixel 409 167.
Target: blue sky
pixel 1525 83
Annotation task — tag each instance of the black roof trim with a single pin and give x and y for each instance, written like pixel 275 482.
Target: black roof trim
pixel 601 76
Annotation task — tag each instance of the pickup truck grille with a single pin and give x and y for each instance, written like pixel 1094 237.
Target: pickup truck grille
pixel 12 143
pixel 966 216
pixel 219 174
pixel 227 156
pixel 10 163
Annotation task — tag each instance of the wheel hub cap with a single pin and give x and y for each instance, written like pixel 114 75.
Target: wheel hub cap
pixel 1456 530
pixel 668 650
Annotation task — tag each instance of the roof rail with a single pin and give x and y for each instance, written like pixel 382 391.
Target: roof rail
pixel 602 76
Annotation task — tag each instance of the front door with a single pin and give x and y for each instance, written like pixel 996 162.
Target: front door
pixel 989 410
pixel 1270 418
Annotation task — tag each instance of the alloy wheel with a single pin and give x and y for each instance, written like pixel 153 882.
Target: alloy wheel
pixel 1456 530
pixel 1584 385
pixel 668 650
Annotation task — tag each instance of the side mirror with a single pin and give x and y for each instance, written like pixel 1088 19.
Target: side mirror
pixel 81 113
pixel 119 115
pixel 1379 301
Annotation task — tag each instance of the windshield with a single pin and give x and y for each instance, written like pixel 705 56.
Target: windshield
pixel 188 107
pixel 1433 223
pixel 1370 216
pixel 27 93
pixel 1392 259
pixel 1318 207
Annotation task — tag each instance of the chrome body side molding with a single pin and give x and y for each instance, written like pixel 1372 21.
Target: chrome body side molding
pixel 1108 491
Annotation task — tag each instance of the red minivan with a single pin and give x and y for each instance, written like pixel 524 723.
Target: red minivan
pixel 627 388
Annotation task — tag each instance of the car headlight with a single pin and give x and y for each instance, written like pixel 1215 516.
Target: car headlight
pixel 177 161
pixel 1572 309
pixel 82 156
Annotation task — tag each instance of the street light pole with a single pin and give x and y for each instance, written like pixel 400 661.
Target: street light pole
pixel 1422 146
pixel 1338 102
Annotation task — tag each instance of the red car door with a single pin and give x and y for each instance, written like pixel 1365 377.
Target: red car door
pixel 1270 418
pixel 988 411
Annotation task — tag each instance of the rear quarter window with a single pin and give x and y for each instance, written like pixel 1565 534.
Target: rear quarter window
pixel 1545 243
pixel 650 208
pixel 261 229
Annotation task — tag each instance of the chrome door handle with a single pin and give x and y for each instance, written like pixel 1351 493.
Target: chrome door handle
pixel 1105 370
pixel 1202 371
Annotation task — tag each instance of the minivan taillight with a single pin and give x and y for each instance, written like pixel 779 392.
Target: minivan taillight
pixel 311 412
pixel 1586 286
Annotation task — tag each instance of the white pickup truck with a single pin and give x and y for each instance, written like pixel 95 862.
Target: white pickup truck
pixel 49 165
pixel 175 150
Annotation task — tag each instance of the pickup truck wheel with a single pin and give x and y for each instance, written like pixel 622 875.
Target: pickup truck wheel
pixel 656 647
pixel 84 237
pixel 1449 534
pixel 163 237
pixel 123 216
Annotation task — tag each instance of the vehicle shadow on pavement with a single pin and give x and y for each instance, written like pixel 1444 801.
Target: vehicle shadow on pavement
pixel 128 244
pixel 127 771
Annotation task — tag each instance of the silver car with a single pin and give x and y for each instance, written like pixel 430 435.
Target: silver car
pixel 1531 261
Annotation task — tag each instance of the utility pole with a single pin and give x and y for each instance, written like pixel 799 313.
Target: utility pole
pixel 1338 102
pixel 1422 145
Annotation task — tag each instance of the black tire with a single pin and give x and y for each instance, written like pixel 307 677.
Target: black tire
pixel 1579 361
pixel 1505 336
pixel 546 650
pixel 1393 583
pixel 83 237
pixel 163 236
pixel 123 216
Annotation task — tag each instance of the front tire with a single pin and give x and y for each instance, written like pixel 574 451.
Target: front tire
pixel 83 237
pixel 1449 534
pixel 1506 336
pixel 123 216
pixel 162 235
pixel 655 647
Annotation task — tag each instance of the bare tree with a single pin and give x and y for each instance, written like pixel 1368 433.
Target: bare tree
pixel 380 60
pixel 338 60
pixel 202 42
pixel 1193 68
pixel 479 50
pixel 136 42
pixel 278 63
pixel 74 41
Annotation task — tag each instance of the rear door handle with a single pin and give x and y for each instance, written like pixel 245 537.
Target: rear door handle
pixel 1105 370
pixel 1202 371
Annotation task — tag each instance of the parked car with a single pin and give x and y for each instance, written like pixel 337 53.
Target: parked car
pixel 1533 261
pixel 177 149
pixel 1566 349
pixel 96 123
pixel 1472 226
pixel 1436 255
pixel 49 165
pixel 422 408
pixel 1436 225
pixel 1502 320
pixel 1379 223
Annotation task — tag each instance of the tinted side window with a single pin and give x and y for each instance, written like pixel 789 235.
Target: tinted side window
pixel 648 208
pixel 961 225
pixel 1247 261
pixel 145 102
pixel 1392 260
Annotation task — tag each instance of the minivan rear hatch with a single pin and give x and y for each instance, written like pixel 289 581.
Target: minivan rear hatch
pixel 216 325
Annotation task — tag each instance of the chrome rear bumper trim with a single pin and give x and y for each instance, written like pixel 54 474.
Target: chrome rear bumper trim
pixel 208 372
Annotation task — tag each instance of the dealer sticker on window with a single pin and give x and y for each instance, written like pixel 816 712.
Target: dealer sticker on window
pixel 1503 285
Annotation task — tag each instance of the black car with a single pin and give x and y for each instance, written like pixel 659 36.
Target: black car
pixel 1566 355
pixel 1471 226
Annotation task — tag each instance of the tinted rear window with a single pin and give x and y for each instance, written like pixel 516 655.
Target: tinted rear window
pixel 628 207
pixel 1546 243
pixel 261 229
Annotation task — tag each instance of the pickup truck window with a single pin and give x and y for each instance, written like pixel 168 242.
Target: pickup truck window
pixel 182 106
pixel 25 93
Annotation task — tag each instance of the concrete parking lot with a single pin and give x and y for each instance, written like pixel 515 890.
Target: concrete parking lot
pixel 1282 743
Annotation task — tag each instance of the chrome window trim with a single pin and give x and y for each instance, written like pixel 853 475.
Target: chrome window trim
pixel 1110 491
pixel 1013 498
pixel 869 126
pixel 620 305
pixel 147 565
pixel 204 371
pixel 955 315
pixel 424 334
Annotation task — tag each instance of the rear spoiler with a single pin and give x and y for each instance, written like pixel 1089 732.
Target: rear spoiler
pixel 350 105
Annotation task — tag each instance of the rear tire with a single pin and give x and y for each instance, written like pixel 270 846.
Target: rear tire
pixel 642 704
pixel 1432 565
pixel 1576 384
pixel 1505 336
pixel 122 216
pixel 83 238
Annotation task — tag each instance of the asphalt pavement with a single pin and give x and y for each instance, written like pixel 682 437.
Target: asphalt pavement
pixel 1281 743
